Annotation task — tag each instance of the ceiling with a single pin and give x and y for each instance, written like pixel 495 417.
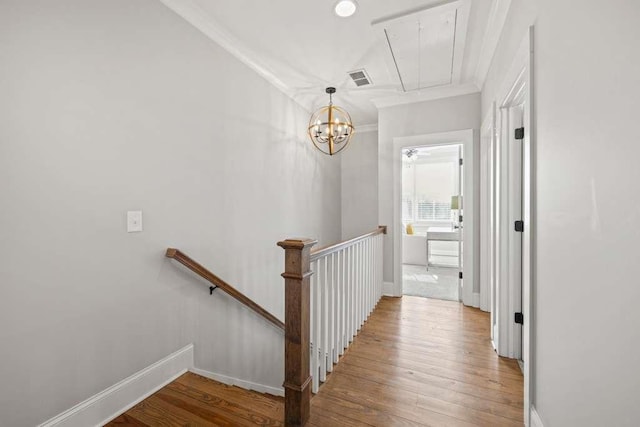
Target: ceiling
pixel 442 48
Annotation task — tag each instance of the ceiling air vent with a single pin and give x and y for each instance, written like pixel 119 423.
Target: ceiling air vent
pixel 360 77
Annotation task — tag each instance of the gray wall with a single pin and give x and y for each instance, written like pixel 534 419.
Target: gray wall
pixel 441 115
pixel 360 185
pixel 586 95
pixel 109 106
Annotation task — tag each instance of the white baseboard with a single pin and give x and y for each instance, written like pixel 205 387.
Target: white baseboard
pixel 536 421
pixel 113 401
pixel 261 388
pixel 389 289
pixel 475 302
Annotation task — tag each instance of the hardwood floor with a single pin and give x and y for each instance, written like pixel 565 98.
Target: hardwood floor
pixel 192 400
pixel 416 362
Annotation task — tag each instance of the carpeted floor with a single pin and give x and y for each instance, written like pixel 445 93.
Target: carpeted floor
pixel 437 282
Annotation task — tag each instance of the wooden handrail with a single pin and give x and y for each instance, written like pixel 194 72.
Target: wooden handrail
pixel 192 265
pixel 327 250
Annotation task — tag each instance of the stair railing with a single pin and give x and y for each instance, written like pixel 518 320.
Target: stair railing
pixel 218 283
pixel 329 294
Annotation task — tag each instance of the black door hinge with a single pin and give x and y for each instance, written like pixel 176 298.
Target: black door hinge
pixel 519 225
pixel 460 218
pixel 520 133
pixel 519 318
pixel 461 162
pixel 460 275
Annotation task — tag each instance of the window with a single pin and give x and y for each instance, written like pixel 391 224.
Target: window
pixel 432 210
pixel 428 184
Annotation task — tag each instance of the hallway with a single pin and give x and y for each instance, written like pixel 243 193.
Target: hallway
pixel 416 361
pixel 420 361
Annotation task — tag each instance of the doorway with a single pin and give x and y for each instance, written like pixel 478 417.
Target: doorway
pixel 432 221
pixel 509 183
pixel 468 289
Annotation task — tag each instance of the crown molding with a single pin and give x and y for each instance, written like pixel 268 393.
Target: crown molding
pixel 371 127
pixel 201 20
pixel 423 95
pixel 495 25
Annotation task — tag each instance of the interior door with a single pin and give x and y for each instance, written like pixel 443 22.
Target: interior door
pixel 493 237
pixel 508 176
pixel 516 118
pixel 460 219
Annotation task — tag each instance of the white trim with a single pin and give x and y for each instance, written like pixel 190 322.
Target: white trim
pixel 117 399
pixel 389 290
pixel 248 385
pixel 495 25
pixel 536 421
pixel 475 302
pixel 468 139
pixel 371 127
pixel 487 140
pixel 528 215
pixel 423 95
pixel 200 19
pixel 517 87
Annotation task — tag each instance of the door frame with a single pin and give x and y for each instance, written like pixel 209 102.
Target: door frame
pixel 519 82
pixel 486 214
pixel 470 241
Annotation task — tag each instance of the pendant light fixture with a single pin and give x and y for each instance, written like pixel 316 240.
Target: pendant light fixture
pixel 330 128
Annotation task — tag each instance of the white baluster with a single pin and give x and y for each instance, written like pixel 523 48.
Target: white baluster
pixel 331 313
pixel 323 318
pixel 340 340
pixel 363 314
pixel 372 267
pixel 374 270
pixel 360 285
pixel 337 298
pixel 371 278
pixel 313 318
pixel 366 280
pixel 368 277
pixel 317 316
pixel 354 289
pixel 350 293
pixel 345 269
pixel 376 261
pixel 379 264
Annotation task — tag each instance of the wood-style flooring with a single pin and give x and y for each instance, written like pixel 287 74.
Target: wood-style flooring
pixel 415 362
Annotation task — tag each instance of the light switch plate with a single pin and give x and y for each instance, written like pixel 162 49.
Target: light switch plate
pixel 134 221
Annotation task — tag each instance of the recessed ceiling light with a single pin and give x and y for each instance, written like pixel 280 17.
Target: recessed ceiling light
pixel 345 8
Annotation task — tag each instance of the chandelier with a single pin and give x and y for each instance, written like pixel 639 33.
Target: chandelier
pixel 330 128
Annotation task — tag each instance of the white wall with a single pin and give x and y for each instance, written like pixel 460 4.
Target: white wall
pixel 441 115
pixel 587 95
pixel 360 184
pixel 109 106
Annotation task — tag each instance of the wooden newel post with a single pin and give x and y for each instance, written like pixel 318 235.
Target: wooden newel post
pixel 297 381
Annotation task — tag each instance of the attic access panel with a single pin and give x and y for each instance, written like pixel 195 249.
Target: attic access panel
pixel 425 47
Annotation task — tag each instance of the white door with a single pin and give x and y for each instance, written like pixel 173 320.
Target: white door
pixel 508 176
pixel 516 117
pixel 460 220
